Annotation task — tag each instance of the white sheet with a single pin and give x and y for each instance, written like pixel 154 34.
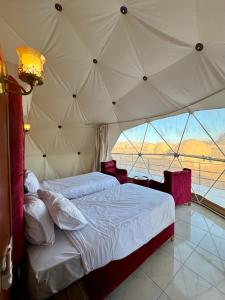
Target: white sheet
pixel 81 185
pixel 119 222
pixel 52 268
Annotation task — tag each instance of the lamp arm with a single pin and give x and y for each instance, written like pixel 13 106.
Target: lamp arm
pixel 23 91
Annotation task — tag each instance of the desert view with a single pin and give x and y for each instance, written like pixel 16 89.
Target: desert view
pixel 157 157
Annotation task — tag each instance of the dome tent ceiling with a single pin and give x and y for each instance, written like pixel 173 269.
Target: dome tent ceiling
pixel 143 58
pixel 113 61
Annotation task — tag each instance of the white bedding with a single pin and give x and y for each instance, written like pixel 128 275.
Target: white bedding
pixel 81 185
pixel 52 268
pixel 120 220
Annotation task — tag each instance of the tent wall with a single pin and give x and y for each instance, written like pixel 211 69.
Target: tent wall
pixel 112 62
pixel 55 150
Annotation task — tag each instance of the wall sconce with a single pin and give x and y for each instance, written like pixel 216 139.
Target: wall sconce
pixel 26 127
pixel 30 69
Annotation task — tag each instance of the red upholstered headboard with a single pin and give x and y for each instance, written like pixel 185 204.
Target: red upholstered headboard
pixel 16 141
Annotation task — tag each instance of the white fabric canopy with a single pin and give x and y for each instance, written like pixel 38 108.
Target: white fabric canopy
pixel 107 64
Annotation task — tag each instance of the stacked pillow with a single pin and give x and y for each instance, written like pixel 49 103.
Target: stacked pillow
pixel 43 209
pixel 39 227
pixel 63 212
pixel 31 183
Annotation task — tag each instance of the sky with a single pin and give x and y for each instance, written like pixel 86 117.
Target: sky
pixel 171 128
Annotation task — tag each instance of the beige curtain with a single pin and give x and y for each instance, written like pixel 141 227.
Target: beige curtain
pixel 101 146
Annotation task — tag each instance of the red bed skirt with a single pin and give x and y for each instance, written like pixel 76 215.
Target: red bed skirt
pixel 100 282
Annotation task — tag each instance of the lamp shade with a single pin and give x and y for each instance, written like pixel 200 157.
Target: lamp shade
pixel 31 65
pixel 3 73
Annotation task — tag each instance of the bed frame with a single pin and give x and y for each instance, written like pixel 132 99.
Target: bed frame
pixel 99 283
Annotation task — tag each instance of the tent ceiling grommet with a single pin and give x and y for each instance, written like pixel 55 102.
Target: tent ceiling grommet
pixel 114 103
pixel 145 78
pixel 78 153
pixel 58 7
pixel 60 126
pixel 123 10
pixel 95 61
pixel 199 46
pixel 44 155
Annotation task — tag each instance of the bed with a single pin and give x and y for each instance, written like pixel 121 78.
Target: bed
pixel 63 254
pixel 80 185
pixel 126 223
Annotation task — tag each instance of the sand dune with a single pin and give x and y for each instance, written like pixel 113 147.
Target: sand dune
pixel 188 147
pixel 208 170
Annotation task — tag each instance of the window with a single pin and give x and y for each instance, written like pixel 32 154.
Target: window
pixel 195 141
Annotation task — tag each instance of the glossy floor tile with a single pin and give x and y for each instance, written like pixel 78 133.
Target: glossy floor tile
pixel 161 268
pixel 164 296
pixel 208 266
pixel 189 232
pixel 189 285
pixel 138 286
pixel 214 245
pixel 192 267
pixel 180 249
pixel 218 230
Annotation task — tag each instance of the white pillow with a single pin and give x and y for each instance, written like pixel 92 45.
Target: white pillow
pixel 64 213
pixel 31 182
pixel 39 227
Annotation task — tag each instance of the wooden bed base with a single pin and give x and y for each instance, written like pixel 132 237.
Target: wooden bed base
pixel 99 283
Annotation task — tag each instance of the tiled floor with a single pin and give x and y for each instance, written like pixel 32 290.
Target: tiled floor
pixel 191 267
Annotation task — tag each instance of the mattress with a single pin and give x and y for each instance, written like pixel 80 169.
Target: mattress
pixel 119 222
pixel 52 268
pixel 80 185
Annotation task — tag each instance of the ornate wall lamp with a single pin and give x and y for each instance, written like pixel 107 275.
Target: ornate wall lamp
pixel 30 69
pixel 26 127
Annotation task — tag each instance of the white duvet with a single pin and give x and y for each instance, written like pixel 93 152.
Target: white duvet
pixel 120 220
pixel 81 185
